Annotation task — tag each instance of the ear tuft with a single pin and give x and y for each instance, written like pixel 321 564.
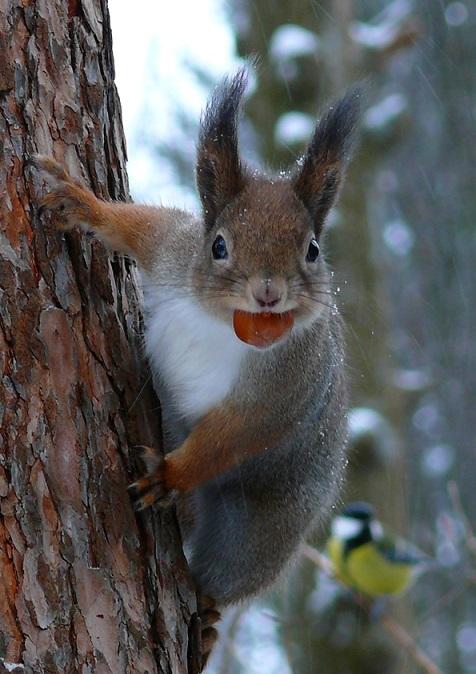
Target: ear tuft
pixel 220 175
pixel 323 167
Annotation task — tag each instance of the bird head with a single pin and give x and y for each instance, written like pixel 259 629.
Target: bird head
pixel 357 521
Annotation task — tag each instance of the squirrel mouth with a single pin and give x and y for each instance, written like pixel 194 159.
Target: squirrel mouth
pixel 262 329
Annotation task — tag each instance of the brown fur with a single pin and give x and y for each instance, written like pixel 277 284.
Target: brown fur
pixel 128 228
pixel 220 441
pixel 268 230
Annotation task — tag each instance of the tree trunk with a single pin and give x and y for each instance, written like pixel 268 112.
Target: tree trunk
pixel 85 586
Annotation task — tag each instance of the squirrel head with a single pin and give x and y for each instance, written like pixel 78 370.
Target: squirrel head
pixel 263 233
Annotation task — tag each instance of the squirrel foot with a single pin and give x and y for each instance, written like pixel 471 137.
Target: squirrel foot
pixel 67 202
pixel 152 488
pixel 209 616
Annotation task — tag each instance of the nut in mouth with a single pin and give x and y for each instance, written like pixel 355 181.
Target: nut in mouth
pixel 262 329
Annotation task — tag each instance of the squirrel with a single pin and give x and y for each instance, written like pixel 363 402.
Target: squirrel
pixel 244 342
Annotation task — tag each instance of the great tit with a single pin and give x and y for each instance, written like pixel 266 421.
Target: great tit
pixel 366 558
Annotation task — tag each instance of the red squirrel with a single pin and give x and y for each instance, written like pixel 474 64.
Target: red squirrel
pixel 244 342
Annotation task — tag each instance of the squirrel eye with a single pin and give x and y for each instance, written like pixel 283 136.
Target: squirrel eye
pixel 312 251
pixel 219 250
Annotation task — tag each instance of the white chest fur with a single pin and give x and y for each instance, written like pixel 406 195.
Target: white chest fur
pixel 197 357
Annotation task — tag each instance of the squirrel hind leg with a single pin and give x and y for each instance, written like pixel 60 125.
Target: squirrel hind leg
pixel 234 553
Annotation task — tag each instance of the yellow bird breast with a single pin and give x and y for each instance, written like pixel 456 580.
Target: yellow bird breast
pixel 365 569
pixel 335 551
pixel 370 572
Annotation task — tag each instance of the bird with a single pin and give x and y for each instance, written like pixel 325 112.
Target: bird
pixel 368 559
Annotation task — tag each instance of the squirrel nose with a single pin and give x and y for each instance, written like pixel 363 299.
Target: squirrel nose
pixel 266 292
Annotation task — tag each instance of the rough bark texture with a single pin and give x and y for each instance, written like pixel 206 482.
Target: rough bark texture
pixel 85 586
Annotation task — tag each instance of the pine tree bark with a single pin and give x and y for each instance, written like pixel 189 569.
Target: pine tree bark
pixel 85 585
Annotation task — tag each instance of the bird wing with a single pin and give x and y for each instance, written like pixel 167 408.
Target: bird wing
pixel 397 550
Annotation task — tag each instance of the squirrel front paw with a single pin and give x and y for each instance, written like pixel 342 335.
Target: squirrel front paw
pixel 67 202
pixel 153 487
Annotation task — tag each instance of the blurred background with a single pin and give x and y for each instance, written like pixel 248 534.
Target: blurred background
pixel 402 242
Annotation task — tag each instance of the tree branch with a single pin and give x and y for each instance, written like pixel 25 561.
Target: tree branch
pixel 397 633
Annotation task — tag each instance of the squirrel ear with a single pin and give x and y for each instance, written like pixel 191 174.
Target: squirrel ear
pixel 220 175
pixel 323 165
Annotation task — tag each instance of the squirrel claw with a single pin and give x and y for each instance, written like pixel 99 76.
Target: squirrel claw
pixel 67 202
pixel 151 488
pixel 150 457
pixel 208 617
pixel 209 638
pixel 156 496
pixel 49 166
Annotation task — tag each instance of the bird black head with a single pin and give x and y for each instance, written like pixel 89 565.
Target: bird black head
pixel 359 510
